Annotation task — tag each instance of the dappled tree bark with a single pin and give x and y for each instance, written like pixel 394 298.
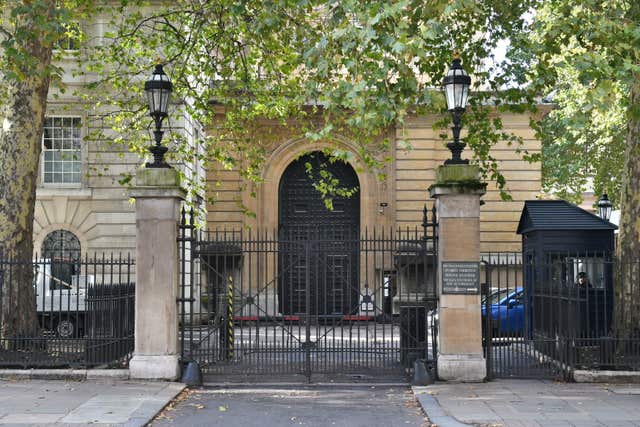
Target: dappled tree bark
pixel 627 285
pixel 22 112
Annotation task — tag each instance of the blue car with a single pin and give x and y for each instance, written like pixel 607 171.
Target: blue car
pixel 507 312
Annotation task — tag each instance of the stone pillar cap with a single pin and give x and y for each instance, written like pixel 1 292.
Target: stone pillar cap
pixel 457 179
pixel 157 183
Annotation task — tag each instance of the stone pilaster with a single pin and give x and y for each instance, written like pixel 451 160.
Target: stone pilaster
pixel 457 192
pixel 157 196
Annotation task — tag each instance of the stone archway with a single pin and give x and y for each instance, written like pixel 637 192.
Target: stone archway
pixel 266 205
pixel 318 259
pixel 302 213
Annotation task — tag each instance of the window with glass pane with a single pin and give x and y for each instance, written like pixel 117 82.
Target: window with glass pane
pixel 61 141
pixel 564 270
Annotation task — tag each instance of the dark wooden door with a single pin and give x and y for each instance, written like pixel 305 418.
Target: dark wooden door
pixel 324 279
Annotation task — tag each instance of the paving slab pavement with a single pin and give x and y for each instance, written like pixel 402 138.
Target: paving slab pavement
pixel 295 405
pixel 531 403
pixel 501 403
pixel 97 402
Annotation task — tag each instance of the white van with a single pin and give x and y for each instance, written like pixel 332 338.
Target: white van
pixel 60 305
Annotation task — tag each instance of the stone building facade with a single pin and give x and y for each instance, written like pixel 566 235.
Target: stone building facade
pixel 398 200
pixel 92 205
pixel 80 202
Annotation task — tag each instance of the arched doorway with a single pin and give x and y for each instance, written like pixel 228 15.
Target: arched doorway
pixel 62 249
pixel 318 254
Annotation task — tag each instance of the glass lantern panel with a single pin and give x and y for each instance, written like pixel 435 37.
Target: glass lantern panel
pixel 462 92
pixel 151 101
pixel 164 99
pixel 450 95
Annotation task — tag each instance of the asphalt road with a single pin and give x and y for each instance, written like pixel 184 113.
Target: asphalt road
pixel 368 406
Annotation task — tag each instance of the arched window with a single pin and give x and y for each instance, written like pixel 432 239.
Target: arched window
pixel 62 249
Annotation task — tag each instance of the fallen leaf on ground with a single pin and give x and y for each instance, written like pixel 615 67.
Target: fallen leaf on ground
pixel 184 394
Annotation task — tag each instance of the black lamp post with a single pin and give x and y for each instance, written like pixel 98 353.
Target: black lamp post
pixel 158 89
pixel 456 89
pixel 604 207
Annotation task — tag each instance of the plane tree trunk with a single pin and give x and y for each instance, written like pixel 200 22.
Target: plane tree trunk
pixel 627 285
pixel 24 84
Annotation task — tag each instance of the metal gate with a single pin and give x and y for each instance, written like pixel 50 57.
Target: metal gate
pixel 260 303
pixel 510 312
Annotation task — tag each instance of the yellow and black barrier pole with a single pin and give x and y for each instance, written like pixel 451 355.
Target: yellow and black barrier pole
pixel 230 318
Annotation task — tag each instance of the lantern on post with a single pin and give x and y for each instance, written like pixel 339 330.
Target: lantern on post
pixel 456 89
pixel 604 207
pixel 158 89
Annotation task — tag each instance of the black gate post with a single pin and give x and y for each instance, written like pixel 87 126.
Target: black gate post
pixel 488 333
pixel 308 312
pixel 186 251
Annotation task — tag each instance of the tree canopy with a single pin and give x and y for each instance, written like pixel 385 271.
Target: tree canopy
pixel 583 56
pixel 346 68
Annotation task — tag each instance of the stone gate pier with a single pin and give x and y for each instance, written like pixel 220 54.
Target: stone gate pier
pixel 457 192
pixel 158 197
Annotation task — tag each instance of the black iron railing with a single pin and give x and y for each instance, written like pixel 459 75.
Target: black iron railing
pixel 567 312
pixel 60 312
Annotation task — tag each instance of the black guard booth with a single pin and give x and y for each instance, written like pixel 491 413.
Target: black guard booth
pixel 561 243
